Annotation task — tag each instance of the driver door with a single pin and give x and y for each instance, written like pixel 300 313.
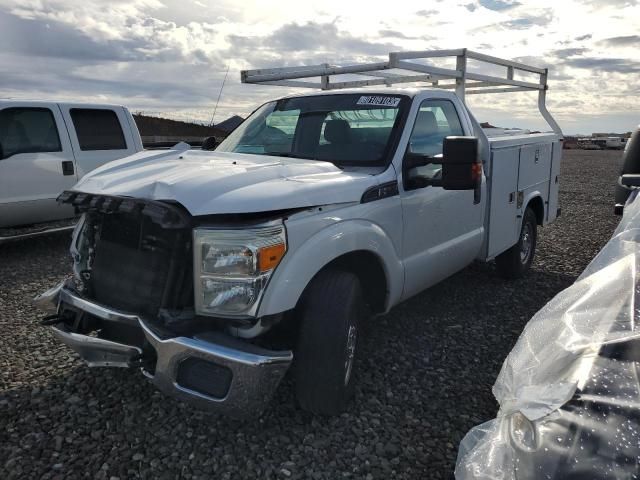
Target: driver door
pixel 36 164
pixel 443 229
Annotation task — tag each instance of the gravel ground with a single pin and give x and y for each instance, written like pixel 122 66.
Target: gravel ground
pixel 425 377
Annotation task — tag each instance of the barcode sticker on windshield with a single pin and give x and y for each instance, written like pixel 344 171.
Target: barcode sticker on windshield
pixel 379 101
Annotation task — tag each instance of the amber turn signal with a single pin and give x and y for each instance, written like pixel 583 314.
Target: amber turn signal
pixel 269 257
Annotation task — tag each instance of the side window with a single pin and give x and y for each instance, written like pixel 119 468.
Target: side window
pixel 28 130
pixel 436 120
pixel 98 129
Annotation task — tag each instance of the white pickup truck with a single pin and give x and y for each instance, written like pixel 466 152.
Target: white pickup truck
pixel 319 211
pixel 46 147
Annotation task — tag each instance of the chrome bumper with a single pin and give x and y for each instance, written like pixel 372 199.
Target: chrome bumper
pixel 252 373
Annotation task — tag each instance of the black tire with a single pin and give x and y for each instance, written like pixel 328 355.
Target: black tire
pixel 516 261
pixel 330 313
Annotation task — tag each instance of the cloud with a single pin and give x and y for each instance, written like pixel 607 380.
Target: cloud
pixel 568 52
pixel 611 3
pixel 311 39
pixel 588 36
pixel 624 41
pixel 55 39
pixel 499 5
pixel 471 7
pixel 427 13
pixel 599 64
pixel 395 34
pixel 529 20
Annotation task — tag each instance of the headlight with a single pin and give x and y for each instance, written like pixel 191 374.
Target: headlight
pixel 232 268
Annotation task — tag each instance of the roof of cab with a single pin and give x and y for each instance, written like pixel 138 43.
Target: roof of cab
pixel 4 102
pixel 409 92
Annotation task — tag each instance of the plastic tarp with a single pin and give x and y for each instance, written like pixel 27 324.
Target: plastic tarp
pixel 569 392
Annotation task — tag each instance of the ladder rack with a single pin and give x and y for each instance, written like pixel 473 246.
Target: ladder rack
pixel 395 71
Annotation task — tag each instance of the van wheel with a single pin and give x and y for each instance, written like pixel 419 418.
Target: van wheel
pixel 515 262
pixel 330 313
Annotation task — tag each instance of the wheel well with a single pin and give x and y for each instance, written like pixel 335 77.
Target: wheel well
pixel 368 267
pixel 538 208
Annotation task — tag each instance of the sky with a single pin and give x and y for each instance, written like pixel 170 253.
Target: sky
pixel 170 57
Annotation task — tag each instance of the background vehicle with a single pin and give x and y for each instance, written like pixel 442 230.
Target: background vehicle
pixel 316 211
pixel 630 167
pixel 611 143
pixel 569 391
pixel 46 147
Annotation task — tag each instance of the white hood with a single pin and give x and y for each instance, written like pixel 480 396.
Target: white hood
pixel 210 182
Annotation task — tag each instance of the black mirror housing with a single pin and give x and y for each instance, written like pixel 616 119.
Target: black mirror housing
pixel 461 169
pixel 209 143
pixel 631 180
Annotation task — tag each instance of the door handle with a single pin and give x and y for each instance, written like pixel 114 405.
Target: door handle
pixel 67 167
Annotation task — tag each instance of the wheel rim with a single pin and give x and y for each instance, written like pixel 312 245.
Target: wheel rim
pixel 526 242
pixel 351 353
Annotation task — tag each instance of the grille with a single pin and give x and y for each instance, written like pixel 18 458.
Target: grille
pixel 138 266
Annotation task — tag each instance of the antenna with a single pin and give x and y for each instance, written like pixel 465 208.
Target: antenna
pixel 219 95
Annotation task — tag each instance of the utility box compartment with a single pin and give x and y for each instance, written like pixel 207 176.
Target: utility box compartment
pixel 535 162
pixel 503 208
pixel 522 168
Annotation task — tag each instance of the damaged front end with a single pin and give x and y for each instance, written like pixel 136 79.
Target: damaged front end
pixel 130 303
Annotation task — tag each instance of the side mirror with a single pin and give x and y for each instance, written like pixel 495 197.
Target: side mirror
pixel 630 180
pixel 461 168
pixel 209 143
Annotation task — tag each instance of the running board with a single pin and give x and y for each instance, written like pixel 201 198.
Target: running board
pixel 37 233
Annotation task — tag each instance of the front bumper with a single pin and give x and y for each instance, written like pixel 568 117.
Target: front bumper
pixel 212 370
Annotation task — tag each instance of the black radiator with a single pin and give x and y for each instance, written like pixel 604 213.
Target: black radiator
pixel 138 265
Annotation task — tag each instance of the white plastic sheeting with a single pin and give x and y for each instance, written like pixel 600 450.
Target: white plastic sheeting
pixel 569 393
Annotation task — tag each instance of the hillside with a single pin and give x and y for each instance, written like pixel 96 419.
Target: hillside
pixel 157 126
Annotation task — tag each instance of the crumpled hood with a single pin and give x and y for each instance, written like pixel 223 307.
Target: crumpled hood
pixel 210 182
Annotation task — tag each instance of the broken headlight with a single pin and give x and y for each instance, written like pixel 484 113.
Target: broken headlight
pixel 232 268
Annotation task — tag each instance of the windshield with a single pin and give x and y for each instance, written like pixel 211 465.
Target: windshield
pixel 342 129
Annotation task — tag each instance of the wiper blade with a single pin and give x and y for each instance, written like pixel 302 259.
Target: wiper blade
pixel 302 157
pixel 284 154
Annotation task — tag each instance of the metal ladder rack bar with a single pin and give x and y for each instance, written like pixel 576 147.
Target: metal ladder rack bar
pixel 395 71
pixel 275 74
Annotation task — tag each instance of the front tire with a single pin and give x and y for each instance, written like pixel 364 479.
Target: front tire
pixel 516 261
pixel 331 312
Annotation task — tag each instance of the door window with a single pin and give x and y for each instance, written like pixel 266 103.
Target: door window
pixel 436 120
pixel 28 130
pixel 98 129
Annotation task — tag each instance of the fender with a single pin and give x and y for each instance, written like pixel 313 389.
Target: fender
pixel 301 264
pixel 527 199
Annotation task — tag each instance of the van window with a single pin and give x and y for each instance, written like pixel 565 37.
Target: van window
pixel 98 129
pixel 28 130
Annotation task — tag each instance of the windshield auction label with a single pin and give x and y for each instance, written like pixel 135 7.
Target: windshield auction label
pixel 379 101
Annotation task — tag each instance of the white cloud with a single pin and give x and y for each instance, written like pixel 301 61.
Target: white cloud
pixel 169 56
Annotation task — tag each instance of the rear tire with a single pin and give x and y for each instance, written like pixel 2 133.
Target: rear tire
pixel 516 261
pixel 330 314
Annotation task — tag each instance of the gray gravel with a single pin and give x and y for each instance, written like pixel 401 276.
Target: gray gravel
pixel 425 377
